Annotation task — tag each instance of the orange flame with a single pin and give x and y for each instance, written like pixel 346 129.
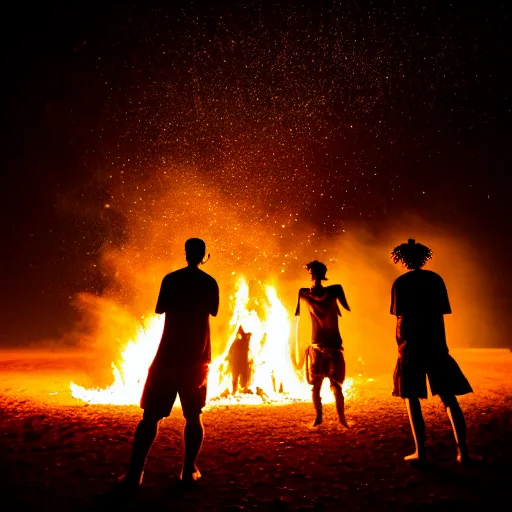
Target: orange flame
pixel 275 378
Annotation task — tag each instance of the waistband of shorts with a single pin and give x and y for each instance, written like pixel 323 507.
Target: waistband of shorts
pixel 324 348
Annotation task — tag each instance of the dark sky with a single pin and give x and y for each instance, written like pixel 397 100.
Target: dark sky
pixel 340 111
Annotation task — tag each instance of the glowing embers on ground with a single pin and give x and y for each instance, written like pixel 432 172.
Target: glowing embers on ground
pixel 257 366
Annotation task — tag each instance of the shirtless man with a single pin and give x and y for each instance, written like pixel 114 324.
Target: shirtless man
pixel 324 355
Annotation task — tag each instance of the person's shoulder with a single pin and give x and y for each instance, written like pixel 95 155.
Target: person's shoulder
pixel 400 279
pixel 207 277
pixel 303 291
pixel 175 274
pixel 433 276
pixel 168 277
pixel 334 290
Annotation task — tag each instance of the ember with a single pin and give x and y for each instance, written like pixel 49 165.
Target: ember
pixel 257 365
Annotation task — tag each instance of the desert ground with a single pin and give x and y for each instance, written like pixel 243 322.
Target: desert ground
pixel 60 454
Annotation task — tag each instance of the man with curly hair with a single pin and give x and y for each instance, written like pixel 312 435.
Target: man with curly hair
pixel 324 356
pixel 419 300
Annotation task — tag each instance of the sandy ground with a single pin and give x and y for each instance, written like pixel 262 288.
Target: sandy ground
pixel 60 454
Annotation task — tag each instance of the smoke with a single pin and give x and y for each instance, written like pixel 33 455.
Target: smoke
pixel 360 261
pixel 271 246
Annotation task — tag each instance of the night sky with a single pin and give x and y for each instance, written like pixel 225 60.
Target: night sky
pixel 333 113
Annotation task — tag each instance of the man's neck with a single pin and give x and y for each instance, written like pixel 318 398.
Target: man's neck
pixel 317 285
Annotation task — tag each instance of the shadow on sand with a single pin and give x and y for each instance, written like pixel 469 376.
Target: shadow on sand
pixel 176 494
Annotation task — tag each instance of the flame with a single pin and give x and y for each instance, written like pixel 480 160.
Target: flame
pixel 274 378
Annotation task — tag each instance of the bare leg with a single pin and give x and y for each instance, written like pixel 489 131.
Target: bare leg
pixel 340 402
pixel 193 438
pixel 418 429
pixel 459 427
pixel 145 434
pixel 317 401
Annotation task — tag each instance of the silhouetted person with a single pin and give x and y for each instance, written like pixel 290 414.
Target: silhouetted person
pixel 187 297
pixel 324 356
pixel 238 358
pixel 419 300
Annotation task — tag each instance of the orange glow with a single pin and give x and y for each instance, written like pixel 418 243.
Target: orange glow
pixel 274 377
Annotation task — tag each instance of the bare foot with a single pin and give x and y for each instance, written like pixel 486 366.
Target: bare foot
pixel 468 460
pixel 315 426
pixel 129 483
pixel 344 422
pixel 190 475
pixel 416 458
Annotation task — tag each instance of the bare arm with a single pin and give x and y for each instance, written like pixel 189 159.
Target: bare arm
pixel 298 355
pixel 297 309
pixel 214 306
pixel 342 298
pixel 392 307
pixel 160 303
pixel 444 302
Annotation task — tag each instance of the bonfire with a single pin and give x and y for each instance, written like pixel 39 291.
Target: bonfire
pixel 261 362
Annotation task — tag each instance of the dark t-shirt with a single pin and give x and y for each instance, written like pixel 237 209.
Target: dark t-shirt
pixel 324 312
pixel 419 293
pixel 187 297
pixel 419 299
